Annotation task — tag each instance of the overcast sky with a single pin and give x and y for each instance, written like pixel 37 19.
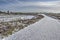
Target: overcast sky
pixel 30 5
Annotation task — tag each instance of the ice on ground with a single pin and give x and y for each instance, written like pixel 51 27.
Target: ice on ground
pixel 45 29
pixel 6 18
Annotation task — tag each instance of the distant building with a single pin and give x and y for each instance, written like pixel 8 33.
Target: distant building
pixel 8 11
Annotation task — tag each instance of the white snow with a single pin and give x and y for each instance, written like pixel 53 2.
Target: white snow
pixel 45 29
pixel 6 18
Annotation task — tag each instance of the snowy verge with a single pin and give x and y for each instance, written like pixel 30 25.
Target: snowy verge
pixel 45 29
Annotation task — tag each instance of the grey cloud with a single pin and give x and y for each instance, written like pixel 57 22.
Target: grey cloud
pixel 53 6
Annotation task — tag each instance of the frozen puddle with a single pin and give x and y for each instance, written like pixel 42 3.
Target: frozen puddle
pixel 45 29
pixel 6 18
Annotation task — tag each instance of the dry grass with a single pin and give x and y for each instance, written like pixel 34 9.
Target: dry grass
pixel 11 26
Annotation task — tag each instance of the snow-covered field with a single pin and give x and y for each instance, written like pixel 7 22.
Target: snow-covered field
pixel 45 29
pixel 5 18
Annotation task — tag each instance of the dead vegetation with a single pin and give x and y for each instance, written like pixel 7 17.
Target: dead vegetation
pixel 7 28
pixel 54 15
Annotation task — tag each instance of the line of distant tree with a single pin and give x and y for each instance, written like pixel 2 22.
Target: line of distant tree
pixel 17 13
pixel 1 12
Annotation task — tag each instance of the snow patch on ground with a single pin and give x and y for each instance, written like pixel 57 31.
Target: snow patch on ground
pixel 6 18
